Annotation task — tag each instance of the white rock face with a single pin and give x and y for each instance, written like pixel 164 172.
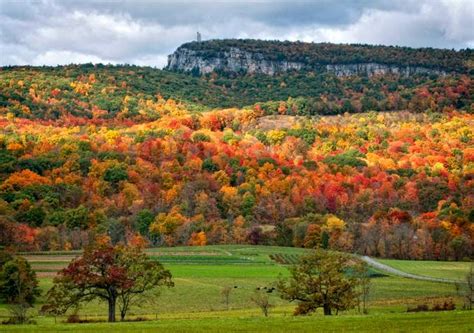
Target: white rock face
pixel 238 61
pixel 235 60
pixel 372 68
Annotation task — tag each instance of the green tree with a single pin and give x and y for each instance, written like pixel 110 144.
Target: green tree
pixel 351 158
pixel 209 165
pixel 143 220
pixel 18 287
pixel 248 203
pixel 77 217
pixel 201 137
pixel 34 216
pixel 321 279
pixel 116 174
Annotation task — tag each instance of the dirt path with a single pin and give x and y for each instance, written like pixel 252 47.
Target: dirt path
pixel 388 269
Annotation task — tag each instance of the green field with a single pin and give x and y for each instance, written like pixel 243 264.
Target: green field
pixel 440 269
pixel 459 322
pixel 195 303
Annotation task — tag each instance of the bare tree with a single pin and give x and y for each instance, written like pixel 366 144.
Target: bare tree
pixel 465 289
pixel 225 293
pixel 365 284
pixel 262 300
pixel 469 294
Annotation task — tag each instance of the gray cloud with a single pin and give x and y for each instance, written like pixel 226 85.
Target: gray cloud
pixel 144 32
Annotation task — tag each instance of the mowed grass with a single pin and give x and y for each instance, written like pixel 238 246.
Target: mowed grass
pixel 195 303
pixel 441 269
pixel 454 321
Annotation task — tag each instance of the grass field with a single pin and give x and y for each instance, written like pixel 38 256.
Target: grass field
pixel 440 269
pixel 195 303
pixel 460 322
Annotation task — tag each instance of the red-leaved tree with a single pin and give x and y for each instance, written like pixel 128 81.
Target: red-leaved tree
pixel 113 274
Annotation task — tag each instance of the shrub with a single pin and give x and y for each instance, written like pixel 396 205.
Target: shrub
pixel 350 158
pixel 209 165
pixel 201 137
pixel 73 319
pixel 447 305
pixel 419 308
pixel 116 174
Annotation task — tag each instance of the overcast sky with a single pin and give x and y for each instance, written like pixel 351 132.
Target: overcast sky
pixel 144 32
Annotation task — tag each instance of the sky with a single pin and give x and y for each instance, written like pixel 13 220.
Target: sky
pixel 49 32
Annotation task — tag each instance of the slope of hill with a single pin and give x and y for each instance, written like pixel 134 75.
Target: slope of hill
pixel 127 91
pixel 367 183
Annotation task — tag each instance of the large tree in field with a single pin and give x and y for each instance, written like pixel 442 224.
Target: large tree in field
pixel 322 279
pixel 114 274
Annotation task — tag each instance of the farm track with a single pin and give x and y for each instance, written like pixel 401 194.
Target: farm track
pixel 388 269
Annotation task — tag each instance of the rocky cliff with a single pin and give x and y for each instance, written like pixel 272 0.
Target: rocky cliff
pixel 234 60
pixel 370 69
pixel 189 58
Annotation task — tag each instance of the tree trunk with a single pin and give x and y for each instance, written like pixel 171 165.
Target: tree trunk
pixel 112 301
pixel 327 310
pixel 123 312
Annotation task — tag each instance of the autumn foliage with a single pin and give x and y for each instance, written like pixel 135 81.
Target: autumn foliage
pixel 396 184
pixel 118 275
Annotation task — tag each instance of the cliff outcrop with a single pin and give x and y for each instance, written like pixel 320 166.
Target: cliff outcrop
pixel 196 58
